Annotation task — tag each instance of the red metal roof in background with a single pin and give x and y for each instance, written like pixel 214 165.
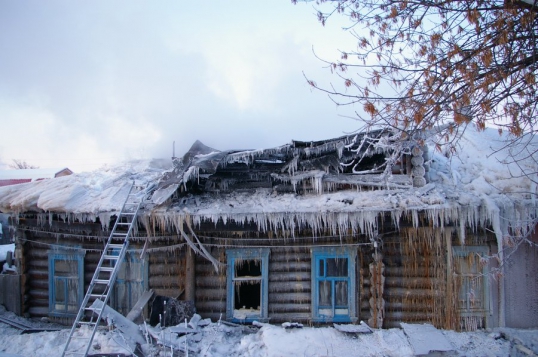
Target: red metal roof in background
pixel 13 182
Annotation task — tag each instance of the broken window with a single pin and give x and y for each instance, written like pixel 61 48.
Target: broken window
pixel 333 282
pixel 471 285
pixel 66 281
pixel 247 277
pixel 131 282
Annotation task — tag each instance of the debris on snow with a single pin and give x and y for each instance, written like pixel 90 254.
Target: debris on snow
pixel 348 328
pixel 289 325
pixel 119 321
pixel 426 338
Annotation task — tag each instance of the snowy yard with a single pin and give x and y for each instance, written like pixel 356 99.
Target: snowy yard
pixel 218 339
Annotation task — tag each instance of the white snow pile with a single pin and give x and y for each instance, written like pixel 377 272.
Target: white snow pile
pixel 217 339
pixel 478 184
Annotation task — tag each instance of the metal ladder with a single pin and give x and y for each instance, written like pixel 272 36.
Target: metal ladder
pixel 105 274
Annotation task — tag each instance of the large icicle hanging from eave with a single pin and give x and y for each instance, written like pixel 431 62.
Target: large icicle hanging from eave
pixel 198 248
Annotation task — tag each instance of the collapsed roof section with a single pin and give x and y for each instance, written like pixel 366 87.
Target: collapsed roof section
pixel 367 159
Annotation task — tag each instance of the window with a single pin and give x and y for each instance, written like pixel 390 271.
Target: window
pixel 247 281
pixel 66 281
pixel 333 284
pixel 131 282
pixel 472 285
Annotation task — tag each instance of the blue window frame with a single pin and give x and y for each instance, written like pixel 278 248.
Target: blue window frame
pixel 333 284
pixel 66 281
pixel 247 284
pixel 131 282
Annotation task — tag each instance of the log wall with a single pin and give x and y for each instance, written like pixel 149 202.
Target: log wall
pixel 416 287
pixel 165 268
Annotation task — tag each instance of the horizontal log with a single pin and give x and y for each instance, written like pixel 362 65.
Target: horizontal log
pixel 168 259
pixel 289 308
pixel 290 286
pixel 34 273
pixel 164 269
pixel 41 284
pixel 211 306
pixel 289 266
pixel 204 267
pixel 37 265
pixel 169 292
pixel 286 257
pixel 41 302
pixel 303 298
pixel 167 277
pixel 165 281
pixel 291 277
pixel 399 271
pixel 416 306
pixel 36 294
pixel 210 281
pixel 412 293
pixel 421 260
pixel 211 294
pixel 38 311
pixel 414 282
pixel 36 254
pixel 410 316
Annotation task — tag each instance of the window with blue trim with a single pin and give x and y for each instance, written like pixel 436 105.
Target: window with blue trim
pixel 131 282
pixel 247 284
pixel 333 284
pixel 66 281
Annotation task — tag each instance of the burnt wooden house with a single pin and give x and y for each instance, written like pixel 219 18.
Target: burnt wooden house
pixel 339 230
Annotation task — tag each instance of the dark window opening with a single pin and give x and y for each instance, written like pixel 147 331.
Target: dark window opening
pixel 247 284
pixel 245 268
pixel 247 295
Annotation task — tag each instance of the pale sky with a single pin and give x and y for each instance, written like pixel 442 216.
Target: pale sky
pixel 88 83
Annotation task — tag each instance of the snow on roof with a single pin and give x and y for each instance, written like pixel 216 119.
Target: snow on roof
pixel 31 174
pixel 87 193
pixel 476 185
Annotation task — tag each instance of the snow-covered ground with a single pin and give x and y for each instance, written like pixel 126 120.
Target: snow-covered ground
pixel 218 339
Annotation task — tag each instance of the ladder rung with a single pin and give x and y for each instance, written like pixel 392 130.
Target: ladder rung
pixel 124 223
pixel 111 257
pixel 119 246
pixel 106 269
pixel 96 296
pixel 101 281
pixel 119 234
pixel 89 308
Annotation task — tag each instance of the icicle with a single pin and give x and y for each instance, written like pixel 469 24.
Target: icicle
pixel 206 254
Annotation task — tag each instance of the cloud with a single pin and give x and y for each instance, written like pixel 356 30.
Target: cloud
pixel 89 83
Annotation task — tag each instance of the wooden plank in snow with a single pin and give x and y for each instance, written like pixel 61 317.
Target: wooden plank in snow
pixel 425 339
pixel 139 306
